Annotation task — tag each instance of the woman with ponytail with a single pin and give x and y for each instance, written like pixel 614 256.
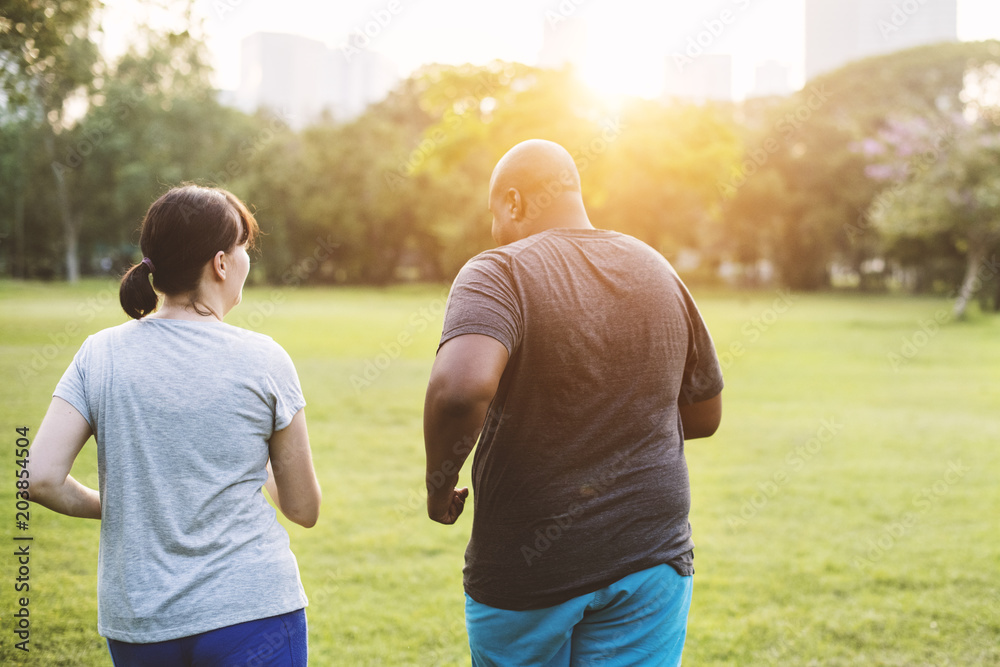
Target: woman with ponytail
pixel 192 417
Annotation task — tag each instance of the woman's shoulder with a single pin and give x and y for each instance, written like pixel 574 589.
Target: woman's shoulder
pixel 199 339
pixel 111 334
pixel 250 338
pixel 260 345
pixel 200 332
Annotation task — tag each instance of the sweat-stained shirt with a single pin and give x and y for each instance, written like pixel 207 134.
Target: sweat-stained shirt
pixel 579 476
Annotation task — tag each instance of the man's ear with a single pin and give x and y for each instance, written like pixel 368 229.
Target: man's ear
pixel 515 204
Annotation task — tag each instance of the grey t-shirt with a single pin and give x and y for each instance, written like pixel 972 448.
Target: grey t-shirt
pixel 182 413
pixel 579 475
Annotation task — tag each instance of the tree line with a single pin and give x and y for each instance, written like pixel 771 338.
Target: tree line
pixel 885 173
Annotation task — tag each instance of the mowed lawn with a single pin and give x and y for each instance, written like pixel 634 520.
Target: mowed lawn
pixel 846 513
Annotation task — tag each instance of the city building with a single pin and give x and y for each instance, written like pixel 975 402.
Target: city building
pixel 707 78
pixel 841 31
pixel 771 79
pixel 301 78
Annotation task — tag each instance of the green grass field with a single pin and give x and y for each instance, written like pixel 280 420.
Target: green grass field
pixel 846 512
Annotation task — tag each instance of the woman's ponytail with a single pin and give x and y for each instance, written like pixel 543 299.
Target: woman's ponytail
pixel 136 294
pixel 183 229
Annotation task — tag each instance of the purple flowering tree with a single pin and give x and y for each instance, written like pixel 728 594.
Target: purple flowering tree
pixel 941 174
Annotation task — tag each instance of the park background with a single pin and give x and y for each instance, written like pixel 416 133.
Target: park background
pixel 840 239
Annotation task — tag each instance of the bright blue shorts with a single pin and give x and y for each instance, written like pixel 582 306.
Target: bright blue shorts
pixel 278 641
pixel 640 620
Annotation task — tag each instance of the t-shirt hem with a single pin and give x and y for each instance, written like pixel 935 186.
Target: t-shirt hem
pixel 194 629
pixel 81 408
pixel 711 392
pixel 559 597
pixel 292 411
pixel 480 329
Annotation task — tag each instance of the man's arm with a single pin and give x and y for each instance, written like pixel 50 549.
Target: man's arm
pixel 463 381
pixel 700 420
pixel 60 438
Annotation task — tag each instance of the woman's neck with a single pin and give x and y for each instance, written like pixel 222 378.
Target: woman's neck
pixel 186 308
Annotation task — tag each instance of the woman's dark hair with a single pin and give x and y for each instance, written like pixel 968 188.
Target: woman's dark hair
pixel 183 230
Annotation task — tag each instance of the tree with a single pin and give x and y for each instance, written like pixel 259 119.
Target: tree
pixel 658 179
pixel 152 122
pixel 135 127
pixel 477 114
pixel 47 58
pixel 945 179
pixel 645 169
pixel 343 202
pixel 819 210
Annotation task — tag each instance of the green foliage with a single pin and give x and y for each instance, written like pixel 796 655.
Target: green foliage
pixel 27 208
pixel 47 58
pixel 807 200
pixel 47 52
pixel 336 192
pixel 657 181
pixel 399 193
pixel 646 169
pixel 402 190
pixel 952 189
pixel 944 171
pixel 151 121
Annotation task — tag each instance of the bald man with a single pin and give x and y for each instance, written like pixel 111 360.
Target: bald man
pixel 578 364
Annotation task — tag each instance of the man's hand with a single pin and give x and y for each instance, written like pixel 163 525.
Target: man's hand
pixel 446 506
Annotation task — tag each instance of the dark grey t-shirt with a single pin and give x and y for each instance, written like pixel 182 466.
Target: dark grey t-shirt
pixel 579 475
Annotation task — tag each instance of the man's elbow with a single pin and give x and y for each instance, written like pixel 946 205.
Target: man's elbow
pixel 456 402
pixel 701 420
pixel 701 430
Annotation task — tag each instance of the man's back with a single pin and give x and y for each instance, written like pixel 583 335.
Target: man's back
pixel 579 475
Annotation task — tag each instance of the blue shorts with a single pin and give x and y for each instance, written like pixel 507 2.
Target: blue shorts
pixel 638 620
pixel 278 641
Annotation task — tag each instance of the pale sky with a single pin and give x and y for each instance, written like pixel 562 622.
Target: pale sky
pixel 629 41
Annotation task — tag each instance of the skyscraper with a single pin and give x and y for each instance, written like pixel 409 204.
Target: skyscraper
pixel 771 79
pixel 279 72
pixel 841 31
pixel 707 78
pixel 356 78
pixel 301 78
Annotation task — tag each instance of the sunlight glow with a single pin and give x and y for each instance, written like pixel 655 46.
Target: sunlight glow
pixel 615 75
pixel 627 48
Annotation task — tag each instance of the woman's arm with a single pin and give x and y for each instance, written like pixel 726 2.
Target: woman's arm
pixel 60 438
pixel 291 479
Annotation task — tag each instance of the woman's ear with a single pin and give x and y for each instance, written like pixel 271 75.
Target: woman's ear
pixel 219 265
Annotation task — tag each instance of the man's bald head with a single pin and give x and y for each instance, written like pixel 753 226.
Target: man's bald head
pixel 535 166
pixel 535 187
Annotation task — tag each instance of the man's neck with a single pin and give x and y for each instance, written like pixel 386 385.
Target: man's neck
pixel 571 215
